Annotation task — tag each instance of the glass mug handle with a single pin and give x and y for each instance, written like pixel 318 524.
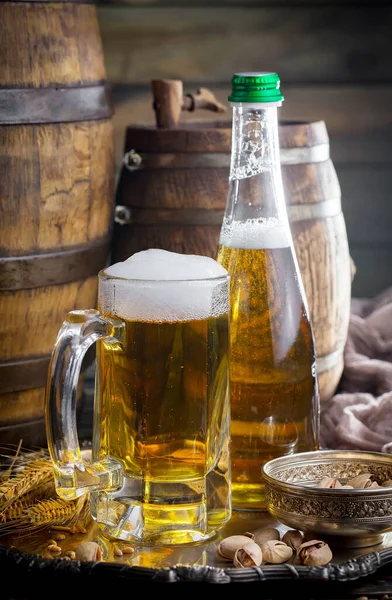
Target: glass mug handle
pixel 73 476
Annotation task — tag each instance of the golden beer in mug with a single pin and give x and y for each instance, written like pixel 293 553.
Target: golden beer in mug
pixel 160 470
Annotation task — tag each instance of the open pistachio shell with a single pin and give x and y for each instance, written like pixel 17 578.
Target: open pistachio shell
pixel 329 482
pixel 293 538
pixel 361 481
pixel 90 551
pixel 260 536
pixel 228 546
pixel 276 552
pixel 250 555
pixel 314 553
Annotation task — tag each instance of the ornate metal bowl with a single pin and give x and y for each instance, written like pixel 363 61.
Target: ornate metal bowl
pixel 353 518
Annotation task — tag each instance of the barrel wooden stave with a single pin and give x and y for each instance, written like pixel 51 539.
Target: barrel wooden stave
pixel 58 177
pixel 26 420
pixel 196 136
pixel 35 315
pixel 312 194
pixel 25 403
pixel 58 43
pixel 30 433
pixel 56 193
pixel 319 244
pixel 175 188
pixel 186 240
pixel 310 183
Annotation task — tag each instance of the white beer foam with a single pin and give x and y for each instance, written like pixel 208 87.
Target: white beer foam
pixel 255 234
pixel 161 265
pixel 161 286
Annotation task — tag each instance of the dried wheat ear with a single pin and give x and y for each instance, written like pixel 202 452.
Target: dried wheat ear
pixel 28 499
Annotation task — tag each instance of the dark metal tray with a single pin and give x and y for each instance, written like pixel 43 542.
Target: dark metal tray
pixel 26 566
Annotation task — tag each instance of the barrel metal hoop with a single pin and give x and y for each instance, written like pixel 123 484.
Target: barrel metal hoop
pixel 329 361
pixel 23 106
pixel 20 375
pixel 126 215
pixel 19 427
pixel 135 161
pixel 30 373
pixel 54 268
pixel 305 154
pixel 317 210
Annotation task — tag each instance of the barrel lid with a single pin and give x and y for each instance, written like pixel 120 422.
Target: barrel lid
pixel 255 88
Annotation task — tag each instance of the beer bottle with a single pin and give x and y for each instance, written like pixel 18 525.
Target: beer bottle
pixel 275 406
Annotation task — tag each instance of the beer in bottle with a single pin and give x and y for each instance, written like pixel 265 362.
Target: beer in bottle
pixel 273 385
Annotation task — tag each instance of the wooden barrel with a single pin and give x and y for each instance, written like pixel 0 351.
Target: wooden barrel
pixel 56 193
pixel 317 222
pixel 172 194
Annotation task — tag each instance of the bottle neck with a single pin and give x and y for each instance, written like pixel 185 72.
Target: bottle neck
pixel 255 140
pixel 255 183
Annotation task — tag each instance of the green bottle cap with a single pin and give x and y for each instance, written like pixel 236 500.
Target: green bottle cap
pixel 255 87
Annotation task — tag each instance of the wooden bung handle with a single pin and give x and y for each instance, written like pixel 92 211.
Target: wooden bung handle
pixel 169 102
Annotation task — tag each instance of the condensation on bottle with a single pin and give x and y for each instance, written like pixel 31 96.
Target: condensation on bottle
pixel 273 382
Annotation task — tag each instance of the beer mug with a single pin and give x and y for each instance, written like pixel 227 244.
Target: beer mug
pixel 160 470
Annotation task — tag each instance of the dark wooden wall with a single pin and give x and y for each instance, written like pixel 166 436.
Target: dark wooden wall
pixel 334 58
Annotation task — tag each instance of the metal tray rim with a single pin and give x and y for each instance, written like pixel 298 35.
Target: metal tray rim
pixel 12 559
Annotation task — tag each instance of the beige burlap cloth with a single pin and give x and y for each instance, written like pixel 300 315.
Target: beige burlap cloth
pixel 359 415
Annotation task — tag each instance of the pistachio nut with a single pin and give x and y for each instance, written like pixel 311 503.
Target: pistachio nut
pixel 361 481
pixel 260 536
pixel 374 484
pixel 347 487
pixel 228 546
pixel 249 555
pixel 248 534
pixel 314 553
pixel 293 538
pixel 387 483
pixel 90 551
pixel 329 482
pixel 276 552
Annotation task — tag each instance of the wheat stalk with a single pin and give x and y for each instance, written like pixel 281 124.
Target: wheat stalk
pixel 28 499
pixel 9 470
pixel 33 474
pixel 15 510
pixel 55 511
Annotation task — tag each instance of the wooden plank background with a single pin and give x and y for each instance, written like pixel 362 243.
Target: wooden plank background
pixel 242 3
pixel 334 58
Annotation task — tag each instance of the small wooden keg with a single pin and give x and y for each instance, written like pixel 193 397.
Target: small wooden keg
pixel 172 194
pixel 56 193
pixel 317 223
